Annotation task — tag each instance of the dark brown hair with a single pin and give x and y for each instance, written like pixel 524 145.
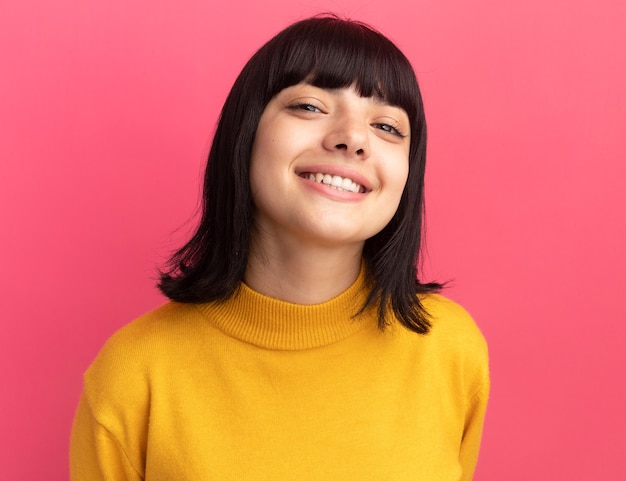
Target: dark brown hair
pixel 327 52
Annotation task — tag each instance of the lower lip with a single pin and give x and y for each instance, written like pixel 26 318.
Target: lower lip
pixel 331 192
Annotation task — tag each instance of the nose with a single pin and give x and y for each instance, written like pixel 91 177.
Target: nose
pixel 350 135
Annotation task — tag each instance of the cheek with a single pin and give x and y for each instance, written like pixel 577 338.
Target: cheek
pixel 260 172
pixel 397 181
pixel 261 159
pixel 397 176
pixel 403 175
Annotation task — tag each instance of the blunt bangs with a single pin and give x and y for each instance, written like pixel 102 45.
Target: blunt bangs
pixel 331 53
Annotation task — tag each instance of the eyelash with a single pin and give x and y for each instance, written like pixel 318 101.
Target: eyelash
pixel 393 130
pixel 388 128
pixel 305 106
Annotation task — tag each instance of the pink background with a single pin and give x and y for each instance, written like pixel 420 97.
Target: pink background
pixel 106 114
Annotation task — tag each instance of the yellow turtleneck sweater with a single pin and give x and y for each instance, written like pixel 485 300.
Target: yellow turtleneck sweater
pixel 259 389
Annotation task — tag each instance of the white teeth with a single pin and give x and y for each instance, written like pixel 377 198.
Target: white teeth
pixel 335 181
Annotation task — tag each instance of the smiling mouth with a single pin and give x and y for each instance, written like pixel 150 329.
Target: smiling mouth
pixel 335 181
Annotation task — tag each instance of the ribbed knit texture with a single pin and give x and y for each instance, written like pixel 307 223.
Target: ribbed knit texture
pixel 274 324
pixel 260 389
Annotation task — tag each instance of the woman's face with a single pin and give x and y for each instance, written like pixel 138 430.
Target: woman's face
pixel 327 166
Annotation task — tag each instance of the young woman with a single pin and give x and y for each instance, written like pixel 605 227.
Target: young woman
pixel 299 342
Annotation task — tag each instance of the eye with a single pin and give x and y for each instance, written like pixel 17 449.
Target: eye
pixel 306 107
pixel 391 129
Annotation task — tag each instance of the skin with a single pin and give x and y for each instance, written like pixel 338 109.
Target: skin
pixel 308 236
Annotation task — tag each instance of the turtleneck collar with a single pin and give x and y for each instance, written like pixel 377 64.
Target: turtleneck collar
pixel 274 324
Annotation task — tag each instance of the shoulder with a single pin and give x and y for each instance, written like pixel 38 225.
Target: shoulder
pixel 150 332
pixel 454 344
pixel 129 359
pixel 453 323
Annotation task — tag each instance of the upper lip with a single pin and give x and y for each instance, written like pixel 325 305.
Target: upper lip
pixel 341 171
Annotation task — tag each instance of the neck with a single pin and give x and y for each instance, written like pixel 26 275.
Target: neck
pixel 301 275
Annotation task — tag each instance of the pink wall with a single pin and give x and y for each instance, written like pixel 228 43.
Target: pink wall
pixel 106 112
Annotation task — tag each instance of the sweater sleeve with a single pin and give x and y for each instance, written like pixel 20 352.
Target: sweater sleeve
pixel 95 454
pixel 470 445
